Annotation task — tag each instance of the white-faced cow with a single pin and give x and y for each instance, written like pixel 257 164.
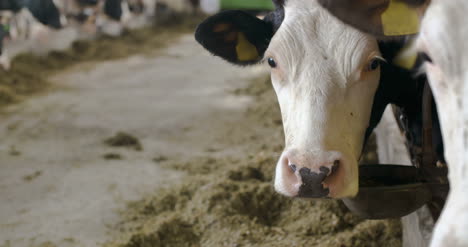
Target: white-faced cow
pixel 325 74
pixel 442 37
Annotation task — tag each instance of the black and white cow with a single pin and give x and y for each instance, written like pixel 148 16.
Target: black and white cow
pixel 46 12
pixel 442 37
pixel 113 9
pixel 31 24
pixel 332 81
pixel 115 13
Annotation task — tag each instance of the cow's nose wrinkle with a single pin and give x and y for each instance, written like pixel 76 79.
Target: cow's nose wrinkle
pixel 312 183
pixel 293 167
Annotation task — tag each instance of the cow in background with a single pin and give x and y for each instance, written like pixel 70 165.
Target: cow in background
pixel 37 25
pixel 34 26
pixel 46 12
pixel 117 15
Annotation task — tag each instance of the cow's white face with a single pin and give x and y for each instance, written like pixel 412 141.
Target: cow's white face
pixel 444 37
pixel 325 75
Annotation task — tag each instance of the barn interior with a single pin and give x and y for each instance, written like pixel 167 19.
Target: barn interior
pixel 118 129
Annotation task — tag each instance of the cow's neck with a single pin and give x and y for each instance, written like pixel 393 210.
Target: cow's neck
pixel 404 89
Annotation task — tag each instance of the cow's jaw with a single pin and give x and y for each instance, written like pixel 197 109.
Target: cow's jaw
pixel 325 98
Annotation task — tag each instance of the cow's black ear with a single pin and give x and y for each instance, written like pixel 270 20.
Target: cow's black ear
pixel 236 36
pixel 382 18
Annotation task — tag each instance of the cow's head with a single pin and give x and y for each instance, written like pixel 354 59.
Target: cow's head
pixel 325 75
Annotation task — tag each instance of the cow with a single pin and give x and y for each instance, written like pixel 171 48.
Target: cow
pixel 128 14
pixel 46 12
pixel 113 9
pixel 442 37
pixel 136 6
pixel 33 26
pixel 82 15
pixel 138 13
pixel 332 82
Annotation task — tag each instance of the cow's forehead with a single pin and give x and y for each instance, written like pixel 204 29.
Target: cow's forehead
pixel 308 30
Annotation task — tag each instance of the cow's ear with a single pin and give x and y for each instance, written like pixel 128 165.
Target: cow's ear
pixel 236 36
pixel 382 18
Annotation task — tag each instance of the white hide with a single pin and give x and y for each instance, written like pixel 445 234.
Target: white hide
pixel 108 26
pixel 443 37
pixel 137 20
pixel 5 60
pixel 150 8
pixel 182 6
pixel 61 5
pixel 391 149
pixel 29 35
pixel 210 7
pixel 324 91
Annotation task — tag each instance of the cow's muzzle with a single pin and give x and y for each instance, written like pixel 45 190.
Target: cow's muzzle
pixel 305 175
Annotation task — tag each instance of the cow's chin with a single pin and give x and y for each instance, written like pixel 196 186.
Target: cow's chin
pixel 344 182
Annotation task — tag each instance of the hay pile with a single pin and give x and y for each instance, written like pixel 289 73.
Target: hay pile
pixel 229 200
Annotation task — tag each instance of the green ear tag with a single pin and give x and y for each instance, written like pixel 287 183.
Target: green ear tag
pixel 400 19
pixel 245 50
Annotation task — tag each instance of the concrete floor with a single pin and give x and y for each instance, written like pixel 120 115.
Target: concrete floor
pixel 56 187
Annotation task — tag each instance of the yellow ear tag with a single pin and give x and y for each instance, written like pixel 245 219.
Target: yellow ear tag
pixel 245 50
pixel 399 19
pixel 406 58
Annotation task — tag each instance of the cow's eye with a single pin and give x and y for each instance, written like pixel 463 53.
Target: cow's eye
pixel 373 64
pixel 272 62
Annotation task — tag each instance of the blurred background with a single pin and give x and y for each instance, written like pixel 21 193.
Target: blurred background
pixel 118 129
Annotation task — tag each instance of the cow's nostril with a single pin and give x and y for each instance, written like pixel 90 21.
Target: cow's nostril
pixel 335 166
pixel 336 163
pixel 325 170
pixel 310 177
pixel 293 167
pixel 312 183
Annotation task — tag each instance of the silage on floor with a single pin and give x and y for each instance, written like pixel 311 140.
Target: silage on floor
pixel 230 201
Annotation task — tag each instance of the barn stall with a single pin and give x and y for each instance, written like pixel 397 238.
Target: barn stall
pixel 141 138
